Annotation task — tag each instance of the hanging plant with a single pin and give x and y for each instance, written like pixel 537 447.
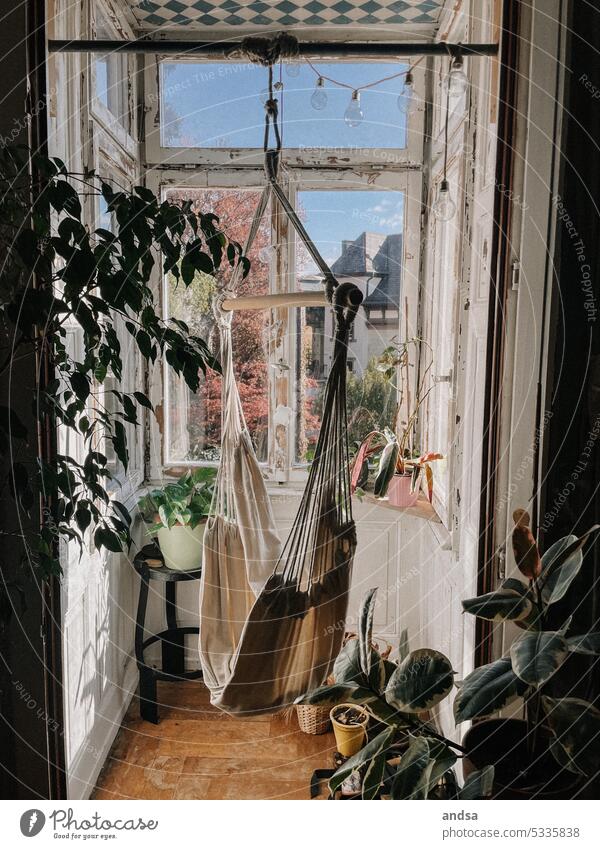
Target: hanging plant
pixel 57 274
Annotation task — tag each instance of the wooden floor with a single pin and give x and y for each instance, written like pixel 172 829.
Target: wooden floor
pixel 197 752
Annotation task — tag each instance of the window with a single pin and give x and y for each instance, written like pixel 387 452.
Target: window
pixel 111 84
pixel 360 234
pixel 221 105
pixel 205 142
pixel 193 432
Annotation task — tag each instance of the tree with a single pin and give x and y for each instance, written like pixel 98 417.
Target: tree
pixel 194 305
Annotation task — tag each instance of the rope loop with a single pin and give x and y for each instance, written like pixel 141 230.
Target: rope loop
pixel 347 298
pixel 267 51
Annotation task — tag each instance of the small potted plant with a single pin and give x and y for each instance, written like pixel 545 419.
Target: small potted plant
pixel 177 514
pixel 401 464
pixel 557 745
pixel 350 728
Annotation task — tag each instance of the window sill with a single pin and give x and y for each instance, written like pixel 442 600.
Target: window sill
pixel 422 509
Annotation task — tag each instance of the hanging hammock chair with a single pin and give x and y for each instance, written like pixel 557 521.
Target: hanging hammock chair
pixel 272 618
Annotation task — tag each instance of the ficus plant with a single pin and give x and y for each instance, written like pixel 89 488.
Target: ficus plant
pixel 571 725
pixel 405 757
pixel 58 275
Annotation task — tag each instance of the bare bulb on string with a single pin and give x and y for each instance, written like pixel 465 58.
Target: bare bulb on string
pixel 354 114
pixel 408 99
pixel 292 69
pixel 318 100
pixel 444 207
pixel 458 81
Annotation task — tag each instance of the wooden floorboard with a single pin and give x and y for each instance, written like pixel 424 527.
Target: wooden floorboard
pixel 197 752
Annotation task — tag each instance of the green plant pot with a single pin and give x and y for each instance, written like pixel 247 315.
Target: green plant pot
pixel 181 546
pixel 518 774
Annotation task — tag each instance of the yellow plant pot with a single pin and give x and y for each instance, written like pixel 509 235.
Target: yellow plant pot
pixel 349 739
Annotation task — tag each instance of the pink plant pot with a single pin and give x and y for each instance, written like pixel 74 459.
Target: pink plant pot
pixel 399 493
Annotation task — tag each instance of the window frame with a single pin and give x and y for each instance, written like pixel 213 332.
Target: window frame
pixel 229 168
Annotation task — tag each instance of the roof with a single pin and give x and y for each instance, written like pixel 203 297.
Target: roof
pixel 378 258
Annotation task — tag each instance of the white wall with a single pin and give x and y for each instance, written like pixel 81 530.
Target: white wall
pixel 99 591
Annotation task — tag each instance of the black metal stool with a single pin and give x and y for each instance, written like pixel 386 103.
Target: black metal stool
pixel 172 639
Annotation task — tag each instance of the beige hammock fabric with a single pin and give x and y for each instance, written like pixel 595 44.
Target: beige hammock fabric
pixel 272 624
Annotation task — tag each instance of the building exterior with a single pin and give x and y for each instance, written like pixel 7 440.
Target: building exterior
pixel 374 263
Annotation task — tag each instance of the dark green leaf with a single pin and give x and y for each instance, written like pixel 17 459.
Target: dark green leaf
pixel 499 605
pixel 486 690
pixel 536 656
pixel 414 773
pixel 576 726
pixel 421 681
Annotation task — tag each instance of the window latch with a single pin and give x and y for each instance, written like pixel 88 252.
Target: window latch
pixel 443 378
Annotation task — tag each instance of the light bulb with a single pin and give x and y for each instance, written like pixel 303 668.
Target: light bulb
pixel 458 81
pixel 318 100
pixel 354 114
pixel 292 69
pixel 444 207
pixel 408 100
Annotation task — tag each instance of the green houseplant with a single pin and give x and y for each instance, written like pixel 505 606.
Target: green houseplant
pixel 400 464
pixel 404 757
pixel 59 277
pixel 558 742
pixel 177 513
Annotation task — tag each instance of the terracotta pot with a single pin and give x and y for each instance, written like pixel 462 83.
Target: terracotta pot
pixel 181 546
pixel 399 493
pixel 502 743
pixel 349 739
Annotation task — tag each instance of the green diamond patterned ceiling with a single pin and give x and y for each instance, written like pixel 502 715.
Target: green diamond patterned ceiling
pixel 418 15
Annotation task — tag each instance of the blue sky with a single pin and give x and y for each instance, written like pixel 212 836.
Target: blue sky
pixel 220 105
pixel 333 216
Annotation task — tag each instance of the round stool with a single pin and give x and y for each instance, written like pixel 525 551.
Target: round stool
pixel 171 639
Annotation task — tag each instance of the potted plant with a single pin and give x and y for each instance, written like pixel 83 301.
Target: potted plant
pixel 404 757
pixel 558 742
pixel 401 464
pixel 179 512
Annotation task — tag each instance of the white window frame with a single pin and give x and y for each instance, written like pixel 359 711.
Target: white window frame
pixel 231 168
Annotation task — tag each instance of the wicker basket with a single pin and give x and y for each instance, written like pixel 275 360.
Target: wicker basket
pixel 313 719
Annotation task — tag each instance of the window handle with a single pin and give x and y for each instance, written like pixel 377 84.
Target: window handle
pixel 442 378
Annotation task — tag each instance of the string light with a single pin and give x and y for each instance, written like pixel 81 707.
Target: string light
pixel 444 207
pixel 408 99
pixel 354 114
pixel 318 100
pixel 292 69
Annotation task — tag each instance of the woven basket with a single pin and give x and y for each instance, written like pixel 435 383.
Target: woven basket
pixel 313 719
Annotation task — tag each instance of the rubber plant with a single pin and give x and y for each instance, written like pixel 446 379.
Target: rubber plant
pixel 186 501
pixel 405 757
pixel 571 726
pixel 57 274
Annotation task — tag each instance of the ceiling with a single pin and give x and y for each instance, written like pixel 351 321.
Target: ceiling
pixel 417 17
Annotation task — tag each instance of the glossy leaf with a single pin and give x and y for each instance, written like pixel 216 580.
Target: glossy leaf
pixel 499 605
pixel 479 785
pixel 365 630
pixel 421 681
pixel 486 690
pixel 576 727
pixel 412 780
pixel 561 565
pixel 374 777
pixel 386 468
pixel 371 750
pixel 334 694
pixel 538 655
pixel 585 643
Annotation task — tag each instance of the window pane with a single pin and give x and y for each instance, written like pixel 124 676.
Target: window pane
pixel 194 420
pixel 111 78
pixel 360 235
pixel 219 105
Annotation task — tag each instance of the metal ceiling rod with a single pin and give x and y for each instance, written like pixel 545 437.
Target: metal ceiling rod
pixel 310 49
